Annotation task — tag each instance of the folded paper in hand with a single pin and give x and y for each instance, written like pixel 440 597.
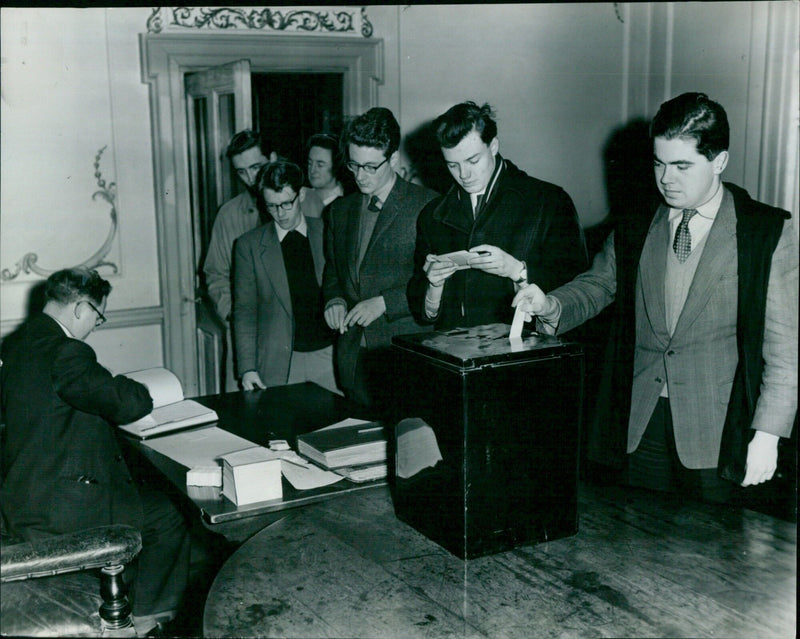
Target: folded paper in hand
pixel 170 410
pixel 459 258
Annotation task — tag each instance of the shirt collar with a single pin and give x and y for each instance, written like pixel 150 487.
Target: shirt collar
pixel 383 192
pixel 63 328
pixel 708 210
pixel 487 192
pixel 302 228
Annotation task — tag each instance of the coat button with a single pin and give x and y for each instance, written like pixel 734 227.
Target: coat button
pixel 659 380
pixel 670 353
pixel 118 458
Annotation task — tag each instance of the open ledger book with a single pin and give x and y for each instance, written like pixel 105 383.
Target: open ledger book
pixel 170 410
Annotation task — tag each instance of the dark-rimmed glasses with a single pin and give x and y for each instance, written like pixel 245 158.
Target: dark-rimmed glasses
pixel 286 206
pixel 369 169
pixel 101 319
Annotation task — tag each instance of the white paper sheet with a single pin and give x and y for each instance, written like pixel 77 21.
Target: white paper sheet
pixel 200 447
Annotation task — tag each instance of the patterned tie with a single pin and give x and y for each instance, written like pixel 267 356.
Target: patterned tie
pixel 374 204
pixel 682 244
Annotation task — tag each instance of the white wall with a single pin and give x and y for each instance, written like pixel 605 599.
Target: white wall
pixel 562 78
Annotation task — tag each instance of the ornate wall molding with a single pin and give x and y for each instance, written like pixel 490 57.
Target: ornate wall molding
pixel 334 20
pixel 106 191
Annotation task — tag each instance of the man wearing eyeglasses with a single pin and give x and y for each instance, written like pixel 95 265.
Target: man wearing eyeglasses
pixel 369 257
pixel 62 464
pixel 279 330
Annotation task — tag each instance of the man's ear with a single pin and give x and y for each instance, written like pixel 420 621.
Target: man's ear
pixel 273 157
pixel 494 146
pixel 302 194
pixel 720 162
pixel 394 159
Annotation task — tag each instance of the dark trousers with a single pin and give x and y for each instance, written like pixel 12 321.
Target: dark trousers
pixel 160 573
pixel 655 463
pixel 373 385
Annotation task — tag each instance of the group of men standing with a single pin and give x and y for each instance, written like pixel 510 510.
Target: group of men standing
pixel 701 376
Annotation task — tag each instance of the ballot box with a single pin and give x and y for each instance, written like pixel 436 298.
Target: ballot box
pixel 487 436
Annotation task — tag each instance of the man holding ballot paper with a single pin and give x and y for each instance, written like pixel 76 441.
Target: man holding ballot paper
pixel 496 229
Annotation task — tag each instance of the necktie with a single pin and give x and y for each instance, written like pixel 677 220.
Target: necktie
pixel 374 204
pixel 478 204
pixel 682 244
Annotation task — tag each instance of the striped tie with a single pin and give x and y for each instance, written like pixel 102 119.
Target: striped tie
pixel 682 244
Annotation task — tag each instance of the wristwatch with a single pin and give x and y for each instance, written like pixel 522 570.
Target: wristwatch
pixel 523 274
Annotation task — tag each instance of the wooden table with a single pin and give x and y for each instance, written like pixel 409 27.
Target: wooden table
pixel 258 416
pixel 641 565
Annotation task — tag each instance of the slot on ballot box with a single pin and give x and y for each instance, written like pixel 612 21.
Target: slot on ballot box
pixel 487 436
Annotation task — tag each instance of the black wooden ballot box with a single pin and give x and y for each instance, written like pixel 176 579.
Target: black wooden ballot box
pixel 487 437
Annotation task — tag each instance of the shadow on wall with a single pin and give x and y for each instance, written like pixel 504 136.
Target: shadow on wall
pixel 425 156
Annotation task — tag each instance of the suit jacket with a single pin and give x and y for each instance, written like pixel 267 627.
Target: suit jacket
pixel 263 323
pixel 530 219
pixel 385 269
pixel 699 361
pixel 62 465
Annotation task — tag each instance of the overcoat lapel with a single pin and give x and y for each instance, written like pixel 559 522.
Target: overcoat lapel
pixel 652 267
pixel 351 238
pixel 275 270
pixel 315 240
pixel 719 253
pixel 386 216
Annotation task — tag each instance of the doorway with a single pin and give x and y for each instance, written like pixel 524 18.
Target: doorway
pixel 166 59
pixel 286 109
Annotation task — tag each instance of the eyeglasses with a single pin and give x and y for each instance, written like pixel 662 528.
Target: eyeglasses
pixel 101 319
pixel 286 206
pixel 369 169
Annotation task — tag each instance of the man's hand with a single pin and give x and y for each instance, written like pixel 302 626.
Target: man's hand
pixel 495 261
pixel 334 317
pixel 251 380
pixel 762 458
pixel 533 301
pixel 366 312
pixel 438 270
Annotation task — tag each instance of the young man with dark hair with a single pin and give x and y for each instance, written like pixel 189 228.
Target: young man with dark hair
pixel 701 377
pixel 62 464
pixel 279 330
pixel 518 228
pixel 369 257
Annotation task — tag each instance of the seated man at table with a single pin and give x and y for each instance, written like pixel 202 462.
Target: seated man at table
pixel 279 330
pixel 62 465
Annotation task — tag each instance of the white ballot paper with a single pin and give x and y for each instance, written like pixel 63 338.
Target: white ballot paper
pixel 515 334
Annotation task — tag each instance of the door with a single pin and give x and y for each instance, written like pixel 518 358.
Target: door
pixel 218 104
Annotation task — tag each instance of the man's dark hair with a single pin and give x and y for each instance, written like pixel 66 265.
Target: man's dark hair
pixel 377 128
pixel 245 140
pixel 696 116
pixel 458 121
pixel 275 176
pixel 72 284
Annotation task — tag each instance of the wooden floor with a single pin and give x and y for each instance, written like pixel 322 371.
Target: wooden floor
pixel 642 565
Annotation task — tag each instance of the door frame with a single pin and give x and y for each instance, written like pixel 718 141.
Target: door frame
pixel 165 58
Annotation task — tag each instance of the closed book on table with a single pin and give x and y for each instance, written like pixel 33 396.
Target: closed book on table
pixel 357 444
pixel 487 435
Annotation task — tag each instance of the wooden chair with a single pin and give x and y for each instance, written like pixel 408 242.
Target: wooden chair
pixel 49 587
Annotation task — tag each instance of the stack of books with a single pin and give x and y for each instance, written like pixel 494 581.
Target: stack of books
pixel 354 448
